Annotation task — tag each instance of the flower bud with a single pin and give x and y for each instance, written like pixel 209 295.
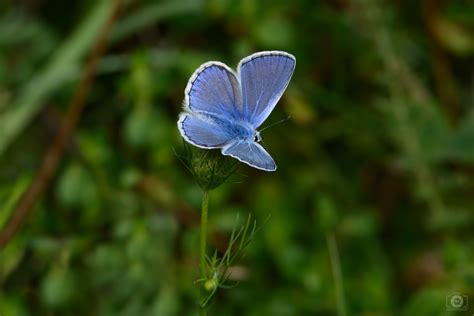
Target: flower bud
pixel 210 285
pixel 209 167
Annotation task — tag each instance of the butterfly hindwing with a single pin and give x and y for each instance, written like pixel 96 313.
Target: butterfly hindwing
pixel 251 153
pixel 202 131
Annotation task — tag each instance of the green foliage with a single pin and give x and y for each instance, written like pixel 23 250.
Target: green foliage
pixel 379 153
pixel 217 269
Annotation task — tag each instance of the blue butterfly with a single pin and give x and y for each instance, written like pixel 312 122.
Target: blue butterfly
pixel 223 109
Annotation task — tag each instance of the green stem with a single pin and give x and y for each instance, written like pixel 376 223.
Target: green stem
pixel 204 211
pixel 337 274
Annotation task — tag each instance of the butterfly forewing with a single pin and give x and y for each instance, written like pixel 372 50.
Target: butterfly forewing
pixel 264 77
pixel 214 89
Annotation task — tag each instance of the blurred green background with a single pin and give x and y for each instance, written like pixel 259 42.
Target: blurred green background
pixel 379 153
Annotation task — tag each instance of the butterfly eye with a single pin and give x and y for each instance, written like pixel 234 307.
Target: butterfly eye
pixel 257 138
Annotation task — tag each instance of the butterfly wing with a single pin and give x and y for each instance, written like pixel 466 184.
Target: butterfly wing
pixel 251 153
pixel 264 77
pixel 213 89
pixel 202 131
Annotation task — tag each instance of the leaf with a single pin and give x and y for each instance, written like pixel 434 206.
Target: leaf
pixel 6 206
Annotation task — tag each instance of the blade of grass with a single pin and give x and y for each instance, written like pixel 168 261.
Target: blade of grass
pixel 30 98
pixel 33 94
pixel 337 274
pixel 65 63
pixel 13 196
pixel 55 151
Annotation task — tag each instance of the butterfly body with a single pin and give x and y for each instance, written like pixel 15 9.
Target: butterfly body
pixel 224 109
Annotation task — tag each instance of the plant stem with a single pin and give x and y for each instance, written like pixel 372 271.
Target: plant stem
pixel 337 274
pixel 204 211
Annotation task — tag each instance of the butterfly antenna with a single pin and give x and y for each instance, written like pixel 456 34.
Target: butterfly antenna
pixel 276 123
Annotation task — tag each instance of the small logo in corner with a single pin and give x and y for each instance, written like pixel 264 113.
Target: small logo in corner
pixel 457 302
